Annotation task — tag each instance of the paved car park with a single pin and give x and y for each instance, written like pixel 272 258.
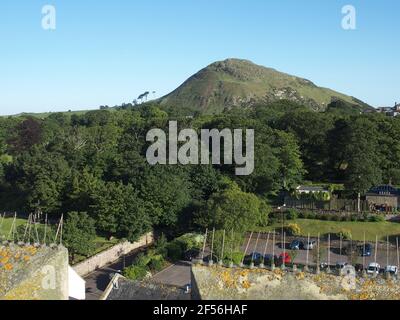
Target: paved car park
pixel 383 256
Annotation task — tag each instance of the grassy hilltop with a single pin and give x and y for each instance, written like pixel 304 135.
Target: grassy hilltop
pixel 241 83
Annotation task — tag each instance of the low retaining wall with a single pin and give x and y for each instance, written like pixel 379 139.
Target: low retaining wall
pixel 110 255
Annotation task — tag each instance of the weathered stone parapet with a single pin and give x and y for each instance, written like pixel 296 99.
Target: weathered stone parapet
pixel 33 273
pixel 218 283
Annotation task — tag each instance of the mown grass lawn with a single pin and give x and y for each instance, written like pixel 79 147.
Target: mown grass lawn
pixel 5 226
pixel 371 229
pixel 101 243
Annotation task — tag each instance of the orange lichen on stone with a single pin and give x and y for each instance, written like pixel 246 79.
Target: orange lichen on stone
pixel 4 260
pixel 8 266
pixel 228 280
pixel 246 284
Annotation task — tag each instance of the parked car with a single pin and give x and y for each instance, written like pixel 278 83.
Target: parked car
pixel 352 249
pixel 359 267
pixel 284 258
pixel 324 265
pixel 393 270
pixel 310 245
pixel 253 257
pixel 373 268
pixel 191 254
pixel 257 257
pixel 207 259
pixel 366 251
pixel 268 259
pixel 296 245
pixel 341 265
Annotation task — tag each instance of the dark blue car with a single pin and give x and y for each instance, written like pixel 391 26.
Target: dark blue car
pixel 296 245
pixel 366 251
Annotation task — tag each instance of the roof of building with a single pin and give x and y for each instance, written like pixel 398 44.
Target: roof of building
pixel 311 189
pixel 124 289
pixel 384 190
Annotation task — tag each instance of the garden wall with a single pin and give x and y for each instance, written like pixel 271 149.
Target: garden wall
pixel 110 255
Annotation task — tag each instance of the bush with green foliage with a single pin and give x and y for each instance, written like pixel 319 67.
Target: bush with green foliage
pixel 345 234
pixel 136 272
pixel 190 241
pixel 175 251
pixel 236 257
pixel 292 214
pixel 161 245
pixel 143 259
pixel 157 263
pixel 376 218
pixel 293 229
pixel 312 215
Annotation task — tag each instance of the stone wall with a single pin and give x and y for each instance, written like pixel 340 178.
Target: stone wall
pixel 30 273
pixel 218 283
pixel 110 255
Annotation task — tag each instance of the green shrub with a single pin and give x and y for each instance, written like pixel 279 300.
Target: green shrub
pixel 175 251
pixel 303 215
pixel 336 217
pixel 272 221
pixel 135 272
pixel 235 257
pixel 376 218
pixel 292 214
pixel 142 260
pixel 157 263
pixel 312 215
pixel 345 234
pixel 354 217
pixel 190 241
pixel 161 245
pixel 293 229
pixel 324 217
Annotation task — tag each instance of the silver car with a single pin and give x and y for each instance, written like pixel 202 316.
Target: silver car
pixel 310 245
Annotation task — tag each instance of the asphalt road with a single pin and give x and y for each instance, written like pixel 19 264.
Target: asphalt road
pixel 175 275
pixel 97 281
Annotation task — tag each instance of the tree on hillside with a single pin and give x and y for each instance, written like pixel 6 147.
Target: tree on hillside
pixel 311 131
pixel 166 192
pixel 120 212
pixel 41 177
pixel 79 233
pixel 355 160
pixel 233 209
pixel 27 134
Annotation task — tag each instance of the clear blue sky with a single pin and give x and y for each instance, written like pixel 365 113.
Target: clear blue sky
pixel 108 52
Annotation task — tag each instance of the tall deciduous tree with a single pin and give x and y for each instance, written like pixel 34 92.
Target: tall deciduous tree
pixel 79 233
pixel 233 209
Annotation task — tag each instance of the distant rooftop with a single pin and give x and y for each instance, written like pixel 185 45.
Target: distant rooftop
pixel 311 189
pixel 384 190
